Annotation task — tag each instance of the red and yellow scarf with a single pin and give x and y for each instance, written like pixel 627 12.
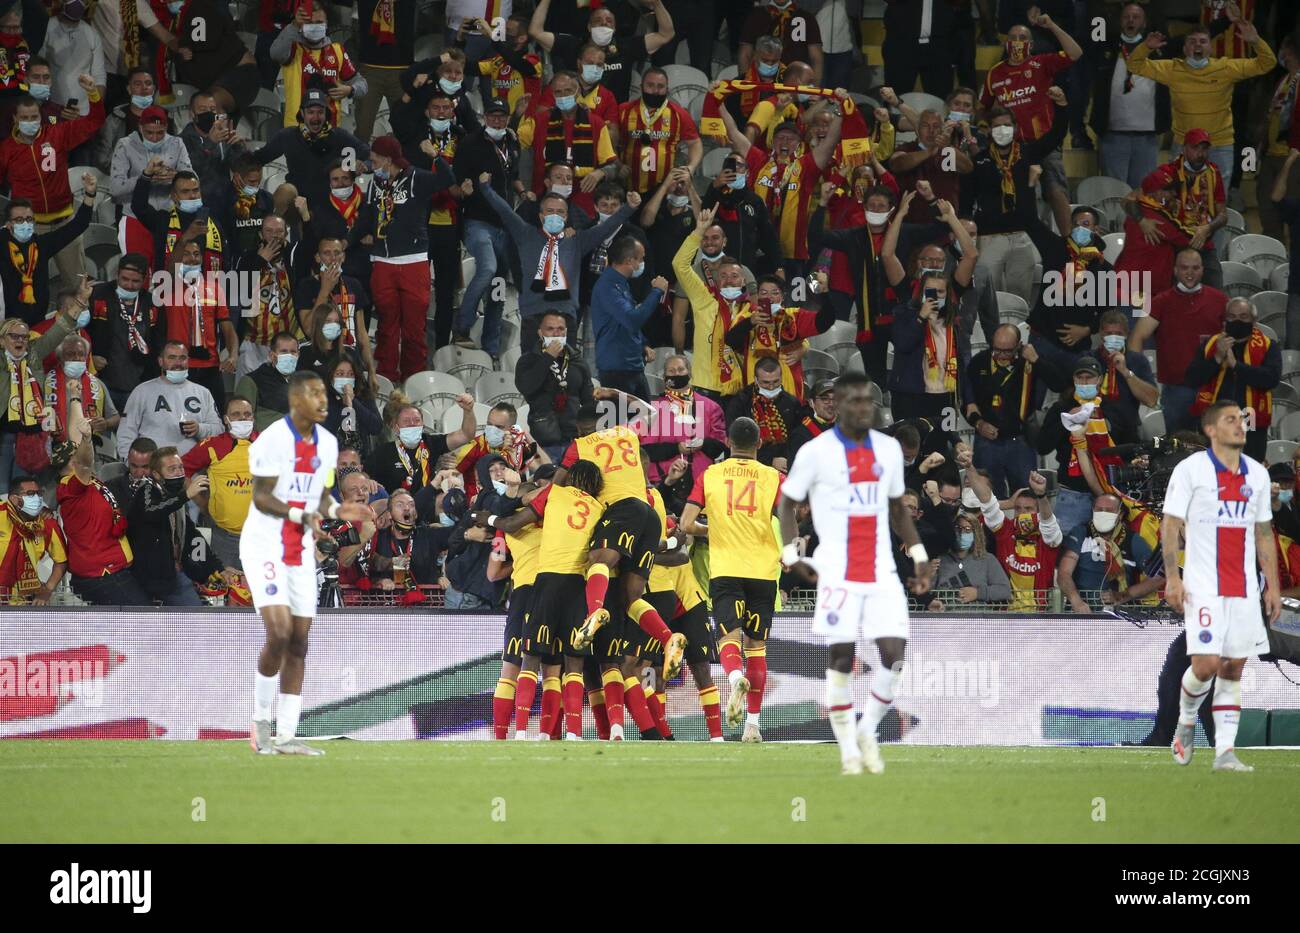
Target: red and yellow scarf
pixel 383 28
pixel 1005 164
pixel 347 207
pixel 855 138
pixel 1261 400
pixel 25 401
pixel 1194 190
pixel 1097 434
pixel 26 266
pixel 211 243
pixel 933 369
pixel 771 425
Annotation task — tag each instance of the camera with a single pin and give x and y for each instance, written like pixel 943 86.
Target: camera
pixel 330 596
pixel 1147 482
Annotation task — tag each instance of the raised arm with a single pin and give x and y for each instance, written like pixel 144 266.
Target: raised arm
pixel 664 31
pixel 537 26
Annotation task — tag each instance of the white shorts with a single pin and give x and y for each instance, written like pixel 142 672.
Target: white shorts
pixel 274 584
pixel 1229 626
pixel 879 611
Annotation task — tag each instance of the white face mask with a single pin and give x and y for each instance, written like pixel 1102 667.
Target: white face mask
pixel 241 429
pixel 1189 289
pixel 602 35
pixel 878 218
pixel 1105 522
pixel 1002 135
pixel 553 341
pixel 562 190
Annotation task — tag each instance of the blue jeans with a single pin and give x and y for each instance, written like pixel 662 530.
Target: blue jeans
pixel 182 594
pixel 1222 157
pixel 116 589
pixel 1176 403
pixel 455 599
pixel 489 246
pixel 1072 509
pixel 1129 157
pixel 1009 462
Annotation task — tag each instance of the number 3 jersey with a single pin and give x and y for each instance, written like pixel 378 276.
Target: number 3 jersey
pixel 738 497
pixel 568 516
pixel 1220 508
pixel 849 485
pixel 303 469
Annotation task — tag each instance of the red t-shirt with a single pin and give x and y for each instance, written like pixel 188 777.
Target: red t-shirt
pixel 1185 320
pixel 1022 89
pixel 199 328
pixel 89 521
pixel 1030 565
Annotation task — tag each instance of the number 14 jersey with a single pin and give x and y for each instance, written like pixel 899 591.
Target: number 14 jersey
pixel 738 497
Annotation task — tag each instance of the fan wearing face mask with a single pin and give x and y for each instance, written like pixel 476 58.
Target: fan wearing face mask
pixel 1126 379
pixel 308 58
pixel 931 353
pixel 224 458
pixel 512 70
pixel 502 437
pixel 968 571
pixel 776 411
pixel 29 532
pixel 1028 545
pixel 801 37
pixel 622 50
pixel 197 314
pixel 650 131
pixel 1241 364
pixel 410 460
pixel 71 365
pixel 160 531
pixel 1075 271
pixel 25 254
pixel 772 329
pixel 745 230
pixel 668 217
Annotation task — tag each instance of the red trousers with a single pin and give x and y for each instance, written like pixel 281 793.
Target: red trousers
pixel 401 300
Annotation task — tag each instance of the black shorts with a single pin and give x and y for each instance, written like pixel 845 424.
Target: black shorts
pixel 645 646
pixel 631 527
pixel 701 641
pixel 558 607
pixel 739 602
pixel 611 643
pixel 521 598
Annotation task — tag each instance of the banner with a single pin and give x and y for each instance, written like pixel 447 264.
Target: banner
pixel 993 679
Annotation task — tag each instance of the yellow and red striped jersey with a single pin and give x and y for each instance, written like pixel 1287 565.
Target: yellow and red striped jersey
pixel 650 141
pixel 329 65
pixel 509 83
pixel 787 191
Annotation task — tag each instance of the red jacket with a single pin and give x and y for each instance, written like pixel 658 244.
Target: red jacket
pixel 47 188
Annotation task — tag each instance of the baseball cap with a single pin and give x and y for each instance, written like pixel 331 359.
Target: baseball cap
pixel 1087 364
pixel 545 472
pixel 315 97
pixel 153 114
pixel 1281 473
pixel 1195 137
pixel 495 105
pixel 822 386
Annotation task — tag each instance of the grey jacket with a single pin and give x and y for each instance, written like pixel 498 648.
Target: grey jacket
pixel 129 162
pixel 984 573
pixel 156 408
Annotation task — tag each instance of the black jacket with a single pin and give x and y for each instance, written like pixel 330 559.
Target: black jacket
pixel 787 406
pixel 211 162
pixel 1053 437
pixel 477 154
pixel 308 160
pixel 1051 310
pixel 552 408
pixel 749 228
pixel 1266 376
pixel 467 561
pixel 48 245
pixel 127 367
pixel 407 232
pixel 149 529
pixel 989 213
pixel 1106 57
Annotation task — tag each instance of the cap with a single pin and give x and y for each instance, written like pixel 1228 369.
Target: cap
pixel 153 114
pixel 390 148
pixel 788 126
pixel 495 105
pixel 822 386
pixel 1087 364
pixel 315 97
pixel 1195 137
pixel 545 472
pixel 1281 473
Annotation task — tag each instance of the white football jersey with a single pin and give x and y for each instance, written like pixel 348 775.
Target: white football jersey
pixel 1220 509
pixel 849 487
pixel 303 470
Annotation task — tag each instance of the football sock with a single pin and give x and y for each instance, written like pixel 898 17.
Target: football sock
pixel 1191 697
pixel 503 706
pixel 286 723
pixel 712 711
pixel 524 693
pixel 572 695
pixel 839 710
pixel 597 587
pixel 658 712
pixel 613 681
pixel 729 657
pixel 596 699
pixel 756 673
pixel 634 697
pixel 264 696
pixel 644 615
pixel 1227 714
pixel 880 697
pixel 550 705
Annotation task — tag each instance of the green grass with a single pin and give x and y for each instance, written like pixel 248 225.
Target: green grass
pixel 100 791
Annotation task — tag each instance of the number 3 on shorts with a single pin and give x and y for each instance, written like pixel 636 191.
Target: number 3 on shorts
pixel 270 569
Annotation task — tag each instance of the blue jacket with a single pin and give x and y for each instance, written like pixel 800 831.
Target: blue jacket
pixel 908 337
pixel 617 321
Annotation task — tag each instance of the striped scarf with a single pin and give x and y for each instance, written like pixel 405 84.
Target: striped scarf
pixel 130 34
pixel 771 425
pixel 383 29
pixel 1261 400
pixel 347 207
pixel 550 279
pixel 1005 165
pixel 211 242
pixel 26 266
pixel 25 402
pixel 565 140
pixel 1097 435
pixel 1196 192
pixel 56 394
pixel 1081 257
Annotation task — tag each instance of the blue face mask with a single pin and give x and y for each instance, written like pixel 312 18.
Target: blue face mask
pixel 343 383
pixel 151 146
pixel 39 91
pixel 381 174
pixel 32 504
pixel 286 363
pixel 731 292
pixel 636 273
pixel 127 294
pixel 410 436
pixel 567 102
pixel 445 520
pixel 1085 392
pixel 439 126
pixel 190 205
pixel 553 224
pixel 314 32
pixel 768 71
pixel 186 270
pixel 1284 496
pixel 1113 342
pixel 29 127
pixel 249 190
pixel 140 101
pixel 494 436
pixel 175 6
pixel 592 73
pixel 738 182
pixel 177 376
pixel 331 331
pixel 956 117
pixel 449 87
pixel 83 318
pixel 499 486
pixel 1082 236
pixel 74 369
pixel 1197 63
pixel 24 230
pixel 965 540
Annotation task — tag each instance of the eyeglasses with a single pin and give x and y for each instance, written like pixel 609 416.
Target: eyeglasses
pixel 17 338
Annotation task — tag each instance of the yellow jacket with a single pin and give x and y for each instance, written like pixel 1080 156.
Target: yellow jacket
pixel 1202 98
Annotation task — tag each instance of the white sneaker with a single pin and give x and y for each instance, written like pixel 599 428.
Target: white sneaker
pixel 521 736
pixel 1229 761
pixel 717 738
pixel 1184 743
pixel 736 702
pixel 616 733
pixel 751 734
pixel 572 737
pixel 260 737
pixel 870 752
pixel 851 766
pixel 296 747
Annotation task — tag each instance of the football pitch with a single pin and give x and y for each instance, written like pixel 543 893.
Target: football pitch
pixel 160 791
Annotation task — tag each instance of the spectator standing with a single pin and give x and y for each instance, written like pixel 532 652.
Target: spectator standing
pixel 311 148
pixel 25 254
pixel 29 532
pixel 686 425
pixel 159 531
pixel 73 357
pixel 272 309
pixel 819 416
pixel 22 397
pixel 555 382
pixel 151 173
pixel 410 460
pixel 310 59
pixel 385 48
pixel 229 492
pixel 1126 377
pixel 267 386
pixel 1028 545
pixel 1129 112
pixel 196 314
pixel 1288 210
pixel 170 409
pixel 920 39
pixel 214 57
pixel 617 318
pixel 801 37
pixel 1003 393
pixel 126 328
pixel 1199 204
pixel 215 148
pixel 621 52
pixel 776 411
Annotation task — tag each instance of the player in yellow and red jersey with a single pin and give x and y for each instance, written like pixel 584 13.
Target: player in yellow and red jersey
pixel 567 510
pixel 739 496
pixel 628 534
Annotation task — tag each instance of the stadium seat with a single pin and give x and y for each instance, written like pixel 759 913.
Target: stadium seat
pixel 725 74
pixel 454 417
pixel 1240 280
pixel 1281 408
pixel 655 384
pixel 1286 392
pixel 493 387
pixel 1153 425
pixel 1114 246
pixel 1107 195
pixel 1261 253
pixel 1289 429
pixel 431 412
pixel 711 164
pixel 839 340
pixel 921 101
pixel 1281 451
pixel 521 416
pixel 1271 307
pixel 509 359
pixel 465 365
pixel 384 386
pixel 1012 307
pixel 1267 331
pixel 427 385
pixel 99 244
pixel 1224 236
pixel 854 365
pixel 111 470
pixel 686 86
pixel 1280 277
pixel 1290 361
pixel 818 364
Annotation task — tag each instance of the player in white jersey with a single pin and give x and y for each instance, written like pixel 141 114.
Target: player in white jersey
pixel 1218 501
pixel 852 477
pixel 292 463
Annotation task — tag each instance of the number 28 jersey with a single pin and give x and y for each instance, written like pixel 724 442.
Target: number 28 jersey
pixel 1220 509
pixel 617 451
pixel 849 486
pixel 738 496
pixel 568 516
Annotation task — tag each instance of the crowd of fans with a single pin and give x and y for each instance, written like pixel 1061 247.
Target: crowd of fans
pixel 203 199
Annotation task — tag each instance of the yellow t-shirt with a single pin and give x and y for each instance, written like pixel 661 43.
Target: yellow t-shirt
pixel 661 578
pixel 617 451
pixel 230 486
pixel 738 496
pixel 525 548
pixel 48 539
pixel 568 516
